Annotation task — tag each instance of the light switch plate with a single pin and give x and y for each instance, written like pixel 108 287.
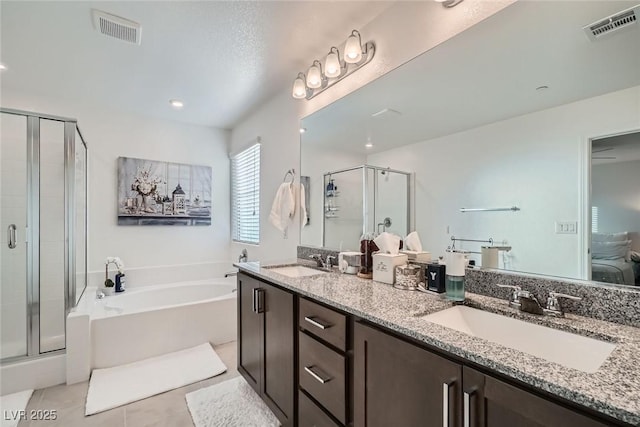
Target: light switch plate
pixel 570 227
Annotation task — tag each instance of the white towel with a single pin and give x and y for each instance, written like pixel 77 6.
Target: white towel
pixel 303 207
pixel 283 207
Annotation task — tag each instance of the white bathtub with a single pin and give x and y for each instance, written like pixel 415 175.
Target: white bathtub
pixel 148 321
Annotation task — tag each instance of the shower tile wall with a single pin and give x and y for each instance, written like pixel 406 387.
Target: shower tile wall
pixel 13 202
pixel 52 236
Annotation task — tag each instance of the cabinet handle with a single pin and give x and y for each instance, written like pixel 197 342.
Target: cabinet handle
pixel 446 388
pixel 318 376
pixel 260 300
pixel 467 407
pixel 318 323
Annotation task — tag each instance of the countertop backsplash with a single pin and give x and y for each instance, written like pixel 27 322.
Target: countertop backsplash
pixel 610 303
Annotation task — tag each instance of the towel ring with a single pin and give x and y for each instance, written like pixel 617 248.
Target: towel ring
pixel 291 172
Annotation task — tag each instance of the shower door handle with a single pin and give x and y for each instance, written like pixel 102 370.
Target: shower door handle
pixel 11 236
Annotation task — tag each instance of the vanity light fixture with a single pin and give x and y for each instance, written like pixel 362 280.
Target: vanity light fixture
pixel 3 67
pixel 449 3
pixel 368 145
pixel 324 74
pixel 176 103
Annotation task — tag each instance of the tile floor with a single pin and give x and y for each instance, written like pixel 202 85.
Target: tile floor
pixel 164 410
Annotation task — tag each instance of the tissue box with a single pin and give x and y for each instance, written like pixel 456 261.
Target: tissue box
pixel 384 266
pixel 417 256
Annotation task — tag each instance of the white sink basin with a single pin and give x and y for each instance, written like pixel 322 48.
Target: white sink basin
pixel 297 271
pixel 567 349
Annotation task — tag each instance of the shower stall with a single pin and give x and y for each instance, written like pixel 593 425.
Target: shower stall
pixel 364 199
pixel 43 195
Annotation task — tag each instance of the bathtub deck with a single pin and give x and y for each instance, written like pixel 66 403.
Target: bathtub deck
pixel 167 409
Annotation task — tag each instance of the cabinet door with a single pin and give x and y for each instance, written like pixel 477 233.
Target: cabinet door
pixel 399 384
pixel 249 331
pixel 278 387
pixel 489 402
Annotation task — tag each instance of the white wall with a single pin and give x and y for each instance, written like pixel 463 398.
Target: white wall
pixel 615 190
pixel 423 25
pixel 535 161
pixel 315 162
pixel 110 134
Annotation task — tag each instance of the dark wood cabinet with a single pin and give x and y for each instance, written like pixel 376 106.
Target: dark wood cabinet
pixel 397 383
pixel 266 331
pixel 489 402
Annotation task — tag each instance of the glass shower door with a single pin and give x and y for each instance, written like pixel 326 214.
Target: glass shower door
pixel 14 180
pixel 392 202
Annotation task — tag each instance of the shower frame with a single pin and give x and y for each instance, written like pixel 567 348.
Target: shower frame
pixel 33 230
pixel 365 199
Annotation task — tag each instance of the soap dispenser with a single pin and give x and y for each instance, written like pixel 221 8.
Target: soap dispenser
pixel 454 282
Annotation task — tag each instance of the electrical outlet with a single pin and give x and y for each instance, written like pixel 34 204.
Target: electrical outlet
pixel 570 227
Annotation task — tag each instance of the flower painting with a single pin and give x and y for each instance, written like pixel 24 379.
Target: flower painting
pixel 163 193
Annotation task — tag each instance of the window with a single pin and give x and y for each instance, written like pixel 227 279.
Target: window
pixel 245 195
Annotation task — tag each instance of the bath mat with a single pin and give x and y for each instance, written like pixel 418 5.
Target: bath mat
pixel 117 386
pixel 232 403
pixel 13 406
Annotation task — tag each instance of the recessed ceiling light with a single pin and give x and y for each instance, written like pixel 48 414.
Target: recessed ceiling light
pixel 303 130
pixel 3 67
pixel 176 103
pixel 368 145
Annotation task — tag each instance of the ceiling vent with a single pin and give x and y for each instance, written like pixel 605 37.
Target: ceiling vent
pixel 116 27
pixel 607 26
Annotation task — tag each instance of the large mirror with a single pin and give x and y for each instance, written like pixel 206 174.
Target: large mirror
pixel 498 126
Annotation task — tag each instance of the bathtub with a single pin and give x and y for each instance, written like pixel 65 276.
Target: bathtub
pixel 148 321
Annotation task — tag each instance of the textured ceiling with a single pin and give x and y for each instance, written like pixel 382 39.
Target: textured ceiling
pixel 222 58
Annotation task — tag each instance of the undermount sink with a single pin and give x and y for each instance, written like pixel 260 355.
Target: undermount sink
pixel 296 271
pixel 567 349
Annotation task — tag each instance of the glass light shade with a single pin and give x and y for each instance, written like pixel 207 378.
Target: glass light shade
pixel 332 65
pixel 352 50
pixel 314 79
pixel 299 88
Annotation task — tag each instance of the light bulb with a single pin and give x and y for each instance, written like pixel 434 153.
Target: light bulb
pixel 332 65
pixel 299 89
pixel 353 49
pixel 314 79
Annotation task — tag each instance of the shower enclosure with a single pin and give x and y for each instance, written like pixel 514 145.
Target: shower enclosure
pixel 364 199
pixel 43 195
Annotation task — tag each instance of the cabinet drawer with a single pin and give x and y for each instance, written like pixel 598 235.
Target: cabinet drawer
pixel 322 375
pixel 309 415
pixel 324 323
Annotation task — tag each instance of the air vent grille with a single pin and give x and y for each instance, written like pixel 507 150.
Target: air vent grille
pixel 117 27
pixel 609 25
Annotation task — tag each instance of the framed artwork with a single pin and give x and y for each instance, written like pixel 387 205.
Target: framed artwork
pixel 162 193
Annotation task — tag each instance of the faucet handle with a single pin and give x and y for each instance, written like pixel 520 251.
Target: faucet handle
pixel 330 260
pixel 554 306
pixel 515 296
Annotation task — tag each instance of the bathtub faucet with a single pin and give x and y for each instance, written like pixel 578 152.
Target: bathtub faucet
pixel 244 256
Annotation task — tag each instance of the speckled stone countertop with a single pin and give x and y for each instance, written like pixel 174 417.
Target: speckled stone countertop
pixel 613 390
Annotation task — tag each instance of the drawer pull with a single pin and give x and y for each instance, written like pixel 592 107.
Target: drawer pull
pixel 467 404
pixel 446 390
pixel 319 375
pixel 318 323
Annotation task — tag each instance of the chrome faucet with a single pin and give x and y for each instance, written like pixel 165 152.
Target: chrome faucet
pixel 554 308
pixel 244 256
pixel 523 300
pixel 323 263
pixel 527 302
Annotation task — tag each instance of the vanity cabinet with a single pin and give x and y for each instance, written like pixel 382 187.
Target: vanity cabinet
pixel 489 402
pixel 400 384
pixel 266 355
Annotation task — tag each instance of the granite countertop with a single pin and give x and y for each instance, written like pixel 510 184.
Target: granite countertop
pixel 613 390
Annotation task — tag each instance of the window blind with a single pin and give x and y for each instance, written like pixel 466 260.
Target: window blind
pixel 594 219
pixel 245 195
